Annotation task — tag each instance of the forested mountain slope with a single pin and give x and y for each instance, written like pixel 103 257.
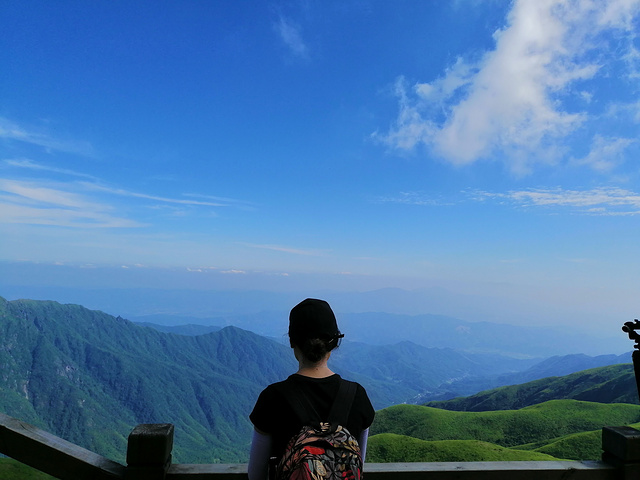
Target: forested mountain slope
pixel 550 367
pixel 611 384
pixel 90 378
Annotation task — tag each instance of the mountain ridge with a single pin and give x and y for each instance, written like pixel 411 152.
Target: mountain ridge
pixel 609 384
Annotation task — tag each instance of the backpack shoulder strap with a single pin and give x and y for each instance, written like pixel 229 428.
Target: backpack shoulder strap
pixel 341 407
pixel 303 408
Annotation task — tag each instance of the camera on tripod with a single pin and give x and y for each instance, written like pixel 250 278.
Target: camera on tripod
pixel 630 328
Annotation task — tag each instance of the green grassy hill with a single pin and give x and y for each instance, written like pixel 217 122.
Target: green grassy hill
pixel 538 423
pixel 389 447
pixel 577 446
pixel 12 470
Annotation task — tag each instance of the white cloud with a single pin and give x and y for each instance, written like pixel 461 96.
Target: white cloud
pixel 597 201
pixel 291 36
pixel 511 101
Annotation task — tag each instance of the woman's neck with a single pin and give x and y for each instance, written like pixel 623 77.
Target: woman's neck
pixel 318 369
pixel 314 371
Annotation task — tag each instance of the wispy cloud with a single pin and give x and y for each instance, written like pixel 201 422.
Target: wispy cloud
pixel 45 193
pixel 285 249
pixel 96 185
pixel 31 165
pixel 291 35
pixel 128 193
pixel 605 153
pixel 597 201
pixel 78 204
pixel 414 198
pixel 50 204
pixel 61 217
pixel 223 201
pixel 514 100
pixel 10 130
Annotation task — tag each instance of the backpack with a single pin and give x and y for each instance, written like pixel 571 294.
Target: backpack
pixel 322 450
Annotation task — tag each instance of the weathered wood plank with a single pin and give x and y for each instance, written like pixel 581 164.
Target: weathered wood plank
pixel 149 451
pixel 490 471
pixel 430 471
pixel 150 444
pixel 622 442
pixel 53 455
pixel 218 471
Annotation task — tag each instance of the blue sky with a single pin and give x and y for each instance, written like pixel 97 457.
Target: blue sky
pixel 490 148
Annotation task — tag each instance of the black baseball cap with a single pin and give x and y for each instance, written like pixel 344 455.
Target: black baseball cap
pixel 313 318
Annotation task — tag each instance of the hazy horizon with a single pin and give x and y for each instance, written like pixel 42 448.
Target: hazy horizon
pixel 175 292
pixel 484 150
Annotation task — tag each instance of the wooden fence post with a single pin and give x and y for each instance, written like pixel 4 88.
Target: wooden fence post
pixel 621 447
pixel 149 451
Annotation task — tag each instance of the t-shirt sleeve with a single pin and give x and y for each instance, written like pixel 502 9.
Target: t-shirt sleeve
pixel 365 407
pixel 262 415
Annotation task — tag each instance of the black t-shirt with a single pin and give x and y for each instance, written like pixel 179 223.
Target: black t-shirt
pixel 273 414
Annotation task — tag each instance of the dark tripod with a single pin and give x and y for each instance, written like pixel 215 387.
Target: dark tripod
pixel 630 328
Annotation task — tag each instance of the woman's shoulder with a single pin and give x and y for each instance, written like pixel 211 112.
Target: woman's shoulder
pixel 295 381
pixel 359 388
pixel 283 386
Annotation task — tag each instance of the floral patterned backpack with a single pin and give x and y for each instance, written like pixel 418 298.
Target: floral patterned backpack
pixel 322 450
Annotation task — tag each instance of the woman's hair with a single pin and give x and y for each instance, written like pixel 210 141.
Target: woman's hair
pixel 314 349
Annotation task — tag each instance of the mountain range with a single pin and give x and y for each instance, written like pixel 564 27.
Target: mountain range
pixel 90 377
pixel 427 330
pixel 463 322
pixel 418 374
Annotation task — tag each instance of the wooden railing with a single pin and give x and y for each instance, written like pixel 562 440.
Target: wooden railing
pixel 149 458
